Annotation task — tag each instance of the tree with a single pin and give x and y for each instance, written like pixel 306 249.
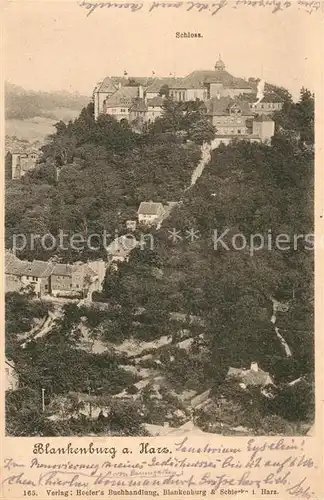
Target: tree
pixel 164 90
pixel 125 419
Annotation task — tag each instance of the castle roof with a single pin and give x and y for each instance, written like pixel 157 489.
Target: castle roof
pixel 220 65
pixel 158 83
pixel 263 118
pixel 155 101
pixel 199 78
pixel 122 97
pixel 107 85
pixel 195 80
pixel 111 83
pixel 222 106
pixel 139 105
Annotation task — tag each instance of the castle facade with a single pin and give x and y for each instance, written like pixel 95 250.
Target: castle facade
pixel 232 103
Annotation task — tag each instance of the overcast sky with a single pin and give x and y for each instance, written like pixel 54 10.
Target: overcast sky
pixel 53 45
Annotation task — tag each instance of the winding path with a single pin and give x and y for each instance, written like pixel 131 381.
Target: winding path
pixel 276 305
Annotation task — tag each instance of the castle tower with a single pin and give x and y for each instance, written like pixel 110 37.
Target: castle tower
pixel 220 65
pixel 263 127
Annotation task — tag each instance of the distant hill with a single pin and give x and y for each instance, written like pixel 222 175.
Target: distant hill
pixel 31 115
pixel 25 104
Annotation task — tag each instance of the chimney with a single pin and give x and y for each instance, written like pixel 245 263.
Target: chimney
pixel 140 92
pixel 254 366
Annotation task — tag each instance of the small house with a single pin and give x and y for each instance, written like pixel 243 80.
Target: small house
pixel 150 213
pixel 119 249
pixel 255 376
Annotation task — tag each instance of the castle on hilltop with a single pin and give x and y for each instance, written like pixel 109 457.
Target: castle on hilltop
pixel 232 104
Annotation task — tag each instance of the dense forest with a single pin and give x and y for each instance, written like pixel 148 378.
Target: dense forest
pixel 105 171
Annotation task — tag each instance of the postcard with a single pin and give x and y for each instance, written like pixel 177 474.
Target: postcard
pixel 162 249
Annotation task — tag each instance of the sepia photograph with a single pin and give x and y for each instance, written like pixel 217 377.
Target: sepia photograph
pixel 159 219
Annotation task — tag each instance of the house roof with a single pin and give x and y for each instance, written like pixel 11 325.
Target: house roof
pixel 187 428
pixel 89 271
pixel 107 85
pixel 121 246
pixel 221 106
pixel 200 399
pixel 249 377
pixel 150 208
pixel 186 83
pixel 194 80
pixel 62 270
pixel 155 101
pixel 13 265
pixel 122 97
pixel 111 83
pixel 263 118
pixel 39 269
pixel 139 105
pixel 158 430
pixel 158 83
pixel 199 78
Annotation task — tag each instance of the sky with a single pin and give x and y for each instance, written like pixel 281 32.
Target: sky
pixel 53 45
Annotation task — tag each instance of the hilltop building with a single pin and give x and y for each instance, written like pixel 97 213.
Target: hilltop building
pixel 140 99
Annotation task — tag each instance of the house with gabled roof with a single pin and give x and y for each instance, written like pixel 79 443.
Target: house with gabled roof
pixel 229 116
pixel 150 213
pixel 50 278
pixel 73 280
pixel 119 249
pixel 111 84
pixel 254 376
pixel 119 103
pixel 154 89
pixel 35 274
pixel 145 110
